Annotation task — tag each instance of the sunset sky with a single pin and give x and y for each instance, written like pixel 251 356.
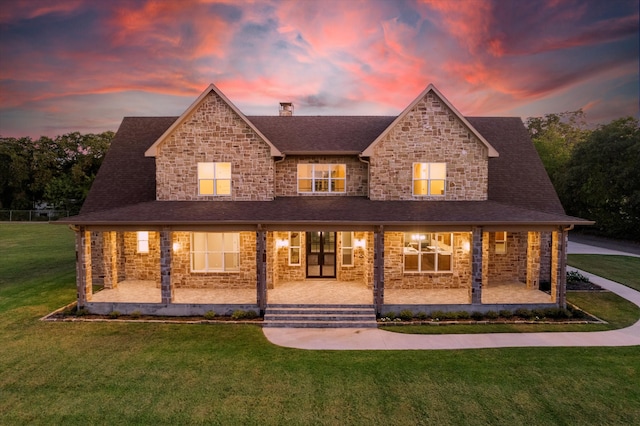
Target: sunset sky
pixel 82 65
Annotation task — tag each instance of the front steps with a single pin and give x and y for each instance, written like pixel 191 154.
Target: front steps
pixel 320 316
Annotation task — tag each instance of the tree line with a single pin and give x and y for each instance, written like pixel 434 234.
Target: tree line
pixel 50 173
pixel 596 173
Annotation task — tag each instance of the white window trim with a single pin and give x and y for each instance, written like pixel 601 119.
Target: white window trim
pixel 142 245
pixel 214 179
pixel 428 179
pixel 291 247
pixel 437 252
pixel 501 242
pixel 206 251
pixel 342 249
pixel 313 178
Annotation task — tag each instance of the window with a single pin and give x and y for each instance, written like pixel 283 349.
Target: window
pixel 501 242
pixel 347 248
pixel 427 252
pixel 215 251
pixel 294 248
pixel 143 241
pixel 214 178
pixel 429 178
pixel 322 177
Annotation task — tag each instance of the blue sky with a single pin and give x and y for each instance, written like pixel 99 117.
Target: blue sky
pixel 81 65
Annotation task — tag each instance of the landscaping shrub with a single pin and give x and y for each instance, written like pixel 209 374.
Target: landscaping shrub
pixel 136 314
pixel 478 316
pixel 576 277
pixel 505 313
pixel 438 315
pixel 422 316
pixel 492 315
pixel 209 315
pixel 464 315
pixel 406 315
pixel 524 313
pixel 391 315
pixel 114 314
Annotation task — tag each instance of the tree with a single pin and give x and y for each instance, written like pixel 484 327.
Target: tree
pixel 602 180
pixel 555 136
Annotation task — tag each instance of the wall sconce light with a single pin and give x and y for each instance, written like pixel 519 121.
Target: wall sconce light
pixel 176 246
pixel 282 243
pixel 360 243
pixel 466 246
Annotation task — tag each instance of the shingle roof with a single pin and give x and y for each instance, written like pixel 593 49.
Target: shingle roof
pixel 519 188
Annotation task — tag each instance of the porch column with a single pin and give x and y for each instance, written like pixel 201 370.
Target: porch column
pixel 110 259
pixel 559 266
pixel 120 256
pixel 261 267
pixel 83 266
pixel 378 268
pixel 533 260
pixel 476 264
pixel 166 289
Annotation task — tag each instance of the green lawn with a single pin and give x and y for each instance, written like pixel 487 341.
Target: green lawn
pixel 124 373
pixel 622 269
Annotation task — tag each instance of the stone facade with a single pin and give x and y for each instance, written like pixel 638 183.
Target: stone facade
pixel 430 132
pixel 510 266
pixel 214 133
pixel 142 266
pixel 287 172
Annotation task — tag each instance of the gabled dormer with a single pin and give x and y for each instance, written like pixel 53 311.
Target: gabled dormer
pixel 213 152
pixel 429 152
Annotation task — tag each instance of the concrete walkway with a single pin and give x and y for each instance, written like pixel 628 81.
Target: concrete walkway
pixel 375 339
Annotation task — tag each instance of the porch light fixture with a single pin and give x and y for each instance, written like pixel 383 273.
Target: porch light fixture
pixel 466 246
pixel 282 243
pixel 360 243
pixel 176 246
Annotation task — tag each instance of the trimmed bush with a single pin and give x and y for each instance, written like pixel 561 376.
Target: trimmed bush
pixel 405 315
pixel 478 316
pixel 505 313
pixel 209 315
pixel 492 315
pixel 114 314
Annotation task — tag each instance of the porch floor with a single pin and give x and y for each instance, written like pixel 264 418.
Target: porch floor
pixel 321 292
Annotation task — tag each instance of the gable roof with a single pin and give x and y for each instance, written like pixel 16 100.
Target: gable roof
pixel 430 88
pixel 321 135
pixel 151 152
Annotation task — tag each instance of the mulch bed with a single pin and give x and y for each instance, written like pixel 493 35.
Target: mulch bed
pixel 583 286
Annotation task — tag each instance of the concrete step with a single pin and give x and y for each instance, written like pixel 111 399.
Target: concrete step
pixel 320 316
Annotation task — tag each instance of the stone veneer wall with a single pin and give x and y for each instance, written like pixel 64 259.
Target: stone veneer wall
pixel 283 271
pixel 182 277
pixel 214 133
pixel 362 260
pixel 287 175
pixel 507 267
pixel 97 258
pixel 429 133
pixel 142 266
pixel 395 277
pixel 545 256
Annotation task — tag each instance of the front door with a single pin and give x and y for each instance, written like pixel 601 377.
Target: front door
pixel 321 254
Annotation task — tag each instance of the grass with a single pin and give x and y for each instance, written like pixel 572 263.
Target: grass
pixel 101 373
pixel 622 269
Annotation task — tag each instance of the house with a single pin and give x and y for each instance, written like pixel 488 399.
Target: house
pixel 217 211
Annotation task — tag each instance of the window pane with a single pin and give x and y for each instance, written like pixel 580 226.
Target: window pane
pixel 223 187
pixel 198 261
pixel 338 171
pixel 420 187
pixel 347 256
pixel 214 261
pixel 420 170
pixel 294 239
pixel 444 262
pixel 322 185
pixel 437 187
pixel 214 241
pixel 206 187
pixel 305 171
pixel 445 241
pixel 438 171
pixel 223 170
pixel 205 170
pixel 231 261
pixel 294 256
pixel 231 242
pixel 338 185
pixel 346 239
pixel 411 262
pixel 143 246
pixel 199 241
pixel 321 171
pixel 304 185
pixel 428 262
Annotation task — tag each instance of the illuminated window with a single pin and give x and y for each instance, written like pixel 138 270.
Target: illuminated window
pixel 214 178
pixel 143 241
pixel 429 252
pixel 215 251
pixel 322 177
pixel 501 242
pixel 429 178
pixel 347 248
pixel 294 248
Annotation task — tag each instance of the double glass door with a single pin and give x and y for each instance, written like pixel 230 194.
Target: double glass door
pixel 321 254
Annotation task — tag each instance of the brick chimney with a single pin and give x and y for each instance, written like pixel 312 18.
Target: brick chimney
pixel 286 109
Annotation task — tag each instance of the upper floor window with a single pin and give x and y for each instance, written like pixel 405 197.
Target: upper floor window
pixel 322 177
pixel 215 251
pixel 430 252
pixel 214 178
pixel 429 178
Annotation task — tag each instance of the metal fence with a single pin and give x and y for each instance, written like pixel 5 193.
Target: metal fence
pixel 32 215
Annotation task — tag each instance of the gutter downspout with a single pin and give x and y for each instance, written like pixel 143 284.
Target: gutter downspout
pixel 562 297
